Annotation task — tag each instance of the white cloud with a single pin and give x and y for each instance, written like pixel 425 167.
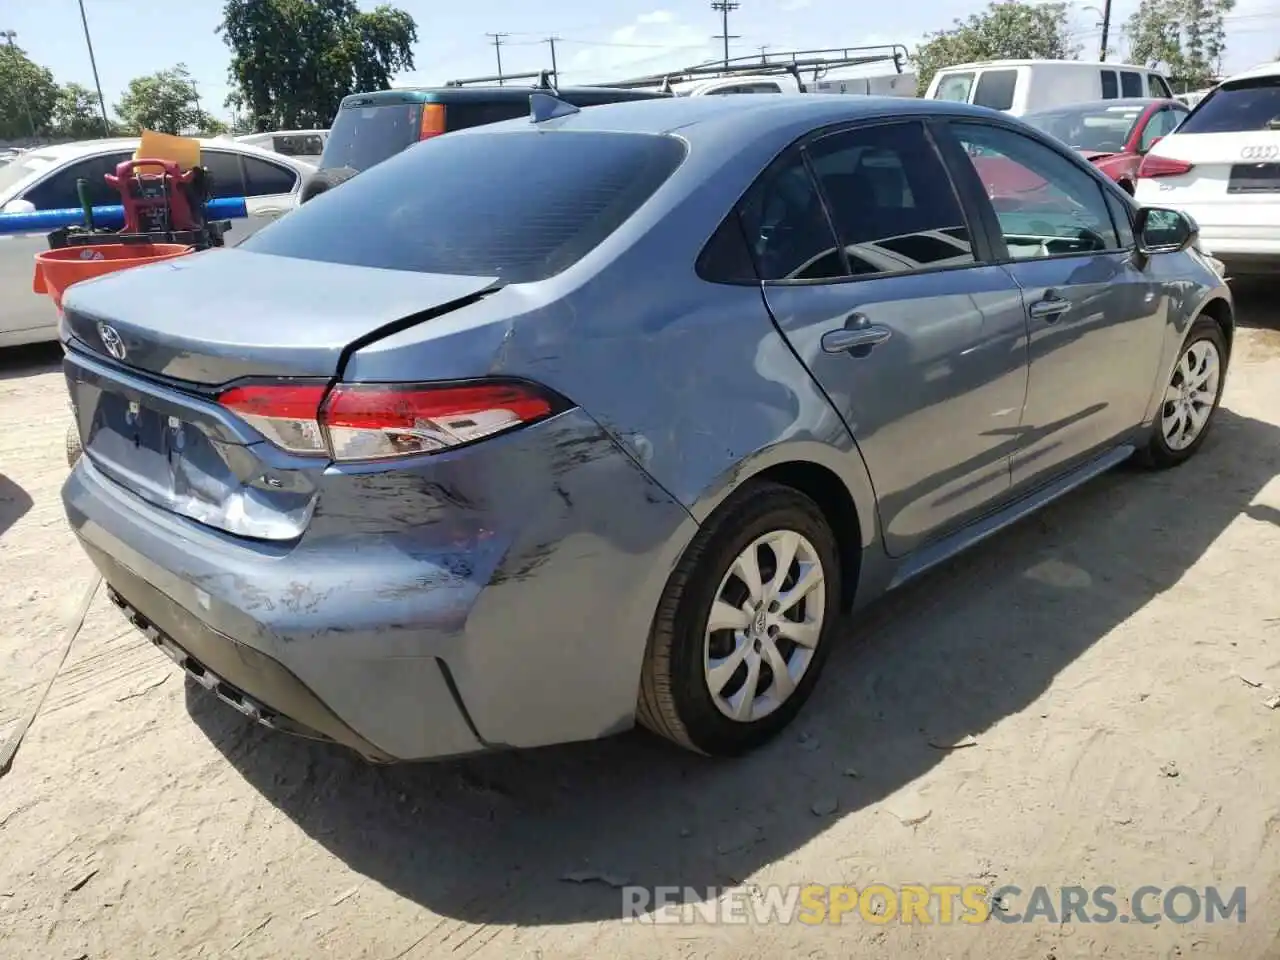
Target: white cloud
pixel 652 42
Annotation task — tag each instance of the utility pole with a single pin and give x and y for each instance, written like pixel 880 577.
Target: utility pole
pixel 497 49
pixel 763 57
pixel 555 73
pixel 1106 27
pixel 11 35
pixel 723 7
pixel 106 124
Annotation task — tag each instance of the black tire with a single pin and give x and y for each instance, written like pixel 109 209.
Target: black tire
pixel 1157 454
pixel 74 449
pixel 324 180
pixel 674 698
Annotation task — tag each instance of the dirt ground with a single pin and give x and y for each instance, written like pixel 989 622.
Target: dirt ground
pixel 1111 658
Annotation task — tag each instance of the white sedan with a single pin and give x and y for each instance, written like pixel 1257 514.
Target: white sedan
pixel 45 179
pixel 1222 166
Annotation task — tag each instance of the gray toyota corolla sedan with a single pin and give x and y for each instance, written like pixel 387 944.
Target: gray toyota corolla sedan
pixel 540 428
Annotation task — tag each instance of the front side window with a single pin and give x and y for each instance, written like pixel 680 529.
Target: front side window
pixel 1160 125
pixel 58 191
pixel 995 89
pixel 1046 205
pixel 786 227
pixel 955 87
pixel 891 199
pixel 1158 87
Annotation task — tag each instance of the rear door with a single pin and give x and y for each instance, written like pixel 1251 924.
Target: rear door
pixel 1095 320
pixel 269 189
pixel 918 344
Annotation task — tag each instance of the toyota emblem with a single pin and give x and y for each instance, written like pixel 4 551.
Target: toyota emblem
pixel 1260 153
pixel 112 341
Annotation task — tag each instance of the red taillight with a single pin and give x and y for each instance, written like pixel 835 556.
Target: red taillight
pixel 284 413
pixel 1153 167
pixel 374 421
pixel 432 122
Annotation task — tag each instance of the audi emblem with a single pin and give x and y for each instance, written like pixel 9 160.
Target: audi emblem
pixel 112 341
pixel 1260 153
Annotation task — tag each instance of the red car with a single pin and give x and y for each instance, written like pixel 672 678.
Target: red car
pixel 1113 134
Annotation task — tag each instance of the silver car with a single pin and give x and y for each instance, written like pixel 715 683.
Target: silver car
pixel 44 178
pixel 540 428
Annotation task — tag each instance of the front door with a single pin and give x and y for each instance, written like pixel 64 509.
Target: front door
pixel 918 345
pixel 1095 318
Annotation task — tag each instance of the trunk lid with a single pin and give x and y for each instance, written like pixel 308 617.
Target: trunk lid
pixel 221 315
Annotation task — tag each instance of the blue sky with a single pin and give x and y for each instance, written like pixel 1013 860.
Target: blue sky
pixel 600 40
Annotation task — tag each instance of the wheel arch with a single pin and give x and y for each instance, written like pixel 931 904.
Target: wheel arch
pixel 835 479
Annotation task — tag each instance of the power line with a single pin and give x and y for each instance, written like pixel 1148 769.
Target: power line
pixel 497 49
pixel 723 7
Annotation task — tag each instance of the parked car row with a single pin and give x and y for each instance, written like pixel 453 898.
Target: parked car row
pixel 601 415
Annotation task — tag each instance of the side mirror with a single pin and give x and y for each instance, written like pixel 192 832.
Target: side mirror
pixel 1160 230
pixel 19 206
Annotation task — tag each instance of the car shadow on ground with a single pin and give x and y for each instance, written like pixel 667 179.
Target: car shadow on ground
pixel 29 360
pixel 489 840
pixel 14 503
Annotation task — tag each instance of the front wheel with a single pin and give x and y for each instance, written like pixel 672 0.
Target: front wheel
pixel 744 625
pixel 1191 397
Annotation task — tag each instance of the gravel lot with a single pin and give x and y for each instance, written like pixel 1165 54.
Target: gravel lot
pixel 1110 657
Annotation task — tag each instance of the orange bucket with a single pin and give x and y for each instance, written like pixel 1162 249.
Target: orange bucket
pixel 58 269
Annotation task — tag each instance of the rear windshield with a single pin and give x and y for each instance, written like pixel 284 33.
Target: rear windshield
pixel 363 136
pixel 519 206
pixel 1244 107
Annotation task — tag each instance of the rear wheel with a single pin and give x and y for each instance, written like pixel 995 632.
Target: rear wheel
pixel 744 625
pixel 1191 397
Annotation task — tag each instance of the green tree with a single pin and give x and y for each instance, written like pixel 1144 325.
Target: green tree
pixel 77 114
pixel 212 126
pixel 1002 31
pixel 294 60
pixel 165 101
pixel 1184 37
pixel 27 95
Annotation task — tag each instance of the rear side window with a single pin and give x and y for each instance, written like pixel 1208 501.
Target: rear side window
pixel 518 206
pixel 1130 84
pixel 461 115
pixel 955 87
pixel 264 179
pixel 1248 106
pixel 1110 89
pixel 364 136
pixel 995 89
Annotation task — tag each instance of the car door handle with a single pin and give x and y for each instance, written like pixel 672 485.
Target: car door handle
pixel 851 338
pixel 1050 309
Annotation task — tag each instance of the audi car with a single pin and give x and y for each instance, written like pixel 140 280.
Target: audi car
pixel 1222 167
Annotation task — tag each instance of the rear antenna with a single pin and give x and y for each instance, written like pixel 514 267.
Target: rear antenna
pixel 544 106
